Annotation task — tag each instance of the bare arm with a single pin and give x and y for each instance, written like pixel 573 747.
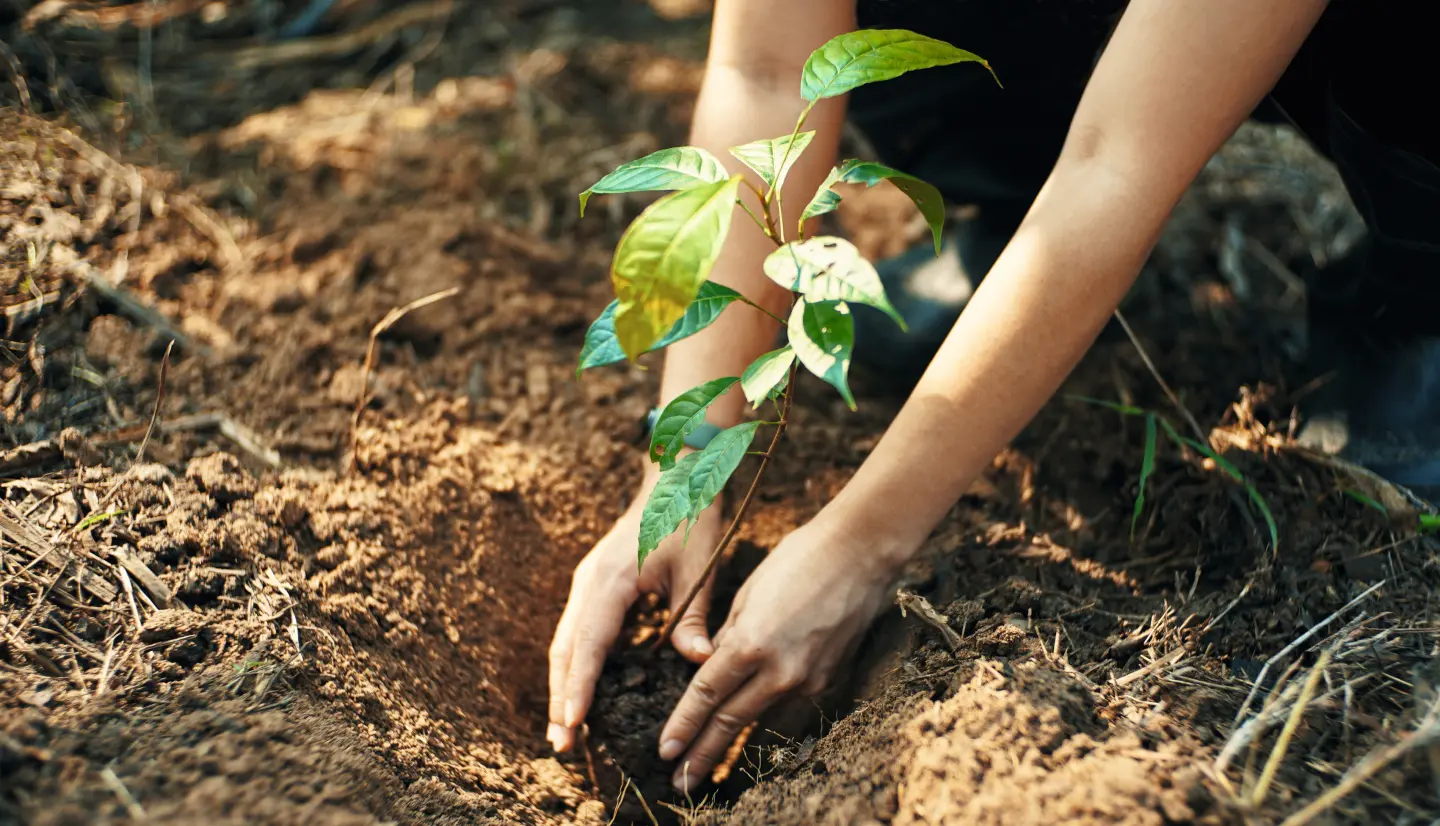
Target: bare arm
pixel 751 92
pixel 1176 80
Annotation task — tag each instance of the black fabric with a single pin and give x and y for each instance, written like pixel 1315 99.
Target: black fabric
pixel 1361 89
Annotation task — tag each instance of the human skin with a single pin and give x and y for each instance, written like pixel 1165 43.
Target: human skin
pixel 1176 80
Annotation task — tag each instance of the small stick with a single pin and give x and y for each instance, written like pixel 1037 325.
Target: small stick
pixel 734 528
pixel 135 309
pixel 130 594
pixel 1299 641
pixel 1282 743
pixel 132 806
pixel 911 601
pixel 159 399
pixel 1160 380
pixel 384 324
pixel 1373 764
pixel 590 760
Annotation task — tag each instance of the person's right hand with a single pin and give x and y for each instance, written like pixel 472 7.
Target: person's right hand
pixel 604 587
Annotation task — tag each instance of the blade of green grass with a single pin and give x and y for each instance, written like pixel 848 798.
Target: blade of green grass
pixel 1147 467
pixel 1234 473
pixel 1123 409
pixel 95 519
pixel 1366 500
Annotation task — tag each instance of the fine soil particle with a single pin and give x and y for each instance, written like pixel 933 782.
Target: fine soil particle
pixel 255 623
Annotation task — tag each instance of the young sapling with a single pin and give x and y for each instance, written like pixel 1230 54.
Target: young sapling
pixel 662 264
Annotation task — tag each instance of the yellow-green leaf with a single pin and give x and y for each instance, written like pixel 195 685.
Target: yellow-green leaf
pixel 664 257
pixel 870 55
pixel 679 167
pixel 771 159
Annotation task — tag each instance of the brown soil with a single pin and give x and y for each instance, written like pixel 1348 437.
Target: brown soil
pixel 250 623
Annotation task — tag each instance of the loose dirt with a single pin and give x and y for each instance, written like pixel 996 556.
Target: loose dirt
pixel 230 617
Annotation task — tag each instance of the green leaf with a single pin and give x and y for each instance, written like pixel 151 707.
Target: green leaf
pixel 668 506
pixel 1123 409
pixel 926 197
pixel 1429 523
pixel 681 167
pixel 664 257
pixel 870 55
pixel 825 268
pixel 771 159
pixel 95 519
pixel 716 463
pixel 602 348
pixel 681 416
pixel 1233 472
pixel 823 335
pixel 766 375
pixel 1147 467
pixel 1367 501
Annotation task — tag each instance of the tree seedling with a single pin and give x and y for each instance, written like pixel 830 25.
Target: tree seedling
pixel 662 263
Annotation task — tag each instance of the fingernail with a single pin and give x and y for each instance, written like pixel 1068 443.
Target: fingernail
pixel 555 733
pixel 682 781
pixel 572 719
pixel 670 749
pixel 700 645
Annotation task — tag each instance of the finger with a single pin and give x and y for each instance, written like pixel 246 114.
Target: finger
pixel 724 726
pixel 561 737
pixel 595 632
pixel 691 637
pixel 719 678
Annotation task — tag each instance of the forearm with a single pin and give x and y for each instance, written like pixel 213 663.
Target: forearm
pixel 1175 81
pixel 1033 318
pixel 734 109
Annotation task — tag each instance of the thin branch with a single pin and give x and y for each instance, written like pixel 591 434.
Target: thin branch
pixel 763 310
pixel 159 399
pixel 774 193
pixel 1160 380
pixel 1423 735
pixel 734 528
pixel 375 332
pixel 759 223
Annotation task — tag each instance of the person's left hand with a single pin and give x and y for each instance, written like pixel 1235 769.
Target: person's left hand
pixel 796 618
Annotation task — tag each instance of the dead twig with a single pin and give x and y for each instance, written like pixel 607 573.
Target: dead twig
pixel 1299 641
pixel 242 436
pixel 1160 380
pixel 390 319
pixel 1282 743
pixel 159 399
pixel 132 806
pixel 911 601
pixel 1424 734
pixel 339 45
pixel 135 309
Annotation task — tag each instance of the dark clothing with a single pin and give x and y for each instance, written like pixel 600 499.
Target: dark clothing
pixel 1360 89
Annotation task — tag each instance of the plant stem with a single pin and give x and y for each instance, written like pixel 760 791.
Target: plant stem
pixel 679 610
pixel 763 310
pixel 759 223
pixel 774 192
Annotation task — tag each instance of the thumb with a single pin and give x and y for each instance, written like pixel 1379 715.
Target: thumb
pixel 691 637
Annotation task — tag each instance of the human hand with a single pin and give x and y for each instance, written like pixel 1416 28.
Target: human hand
pixel 602 590
pixel 797 618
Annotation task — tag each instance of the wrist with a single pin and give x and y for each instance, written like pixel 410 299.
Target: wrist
pixel 879 547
